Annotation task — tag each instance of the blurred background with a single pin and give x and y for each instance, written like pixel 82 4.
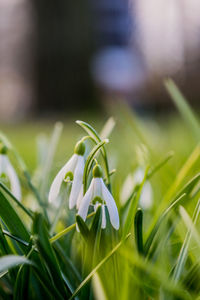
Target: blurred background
pixel 57 57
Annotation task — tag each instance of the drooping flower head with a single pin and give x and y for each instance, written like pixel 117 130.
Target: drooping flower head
pixel 7 171
pixel 71 171
pixel 96 195
pixel 133 179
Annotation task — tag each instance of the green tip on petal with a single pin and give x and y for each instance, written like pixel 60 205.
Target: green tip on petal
pixel 79 148
pixel 97 171
pixel 3 148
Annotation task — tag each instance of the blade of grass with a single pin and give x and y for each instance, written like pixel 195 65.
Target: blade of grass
pixel 66 230
pixel 184 249
pixel 151 236
pixel 138 231
pixel 133 206
pixel 12 219
pixel 107 128
pixel 10 261
pixel 189 224
pixel 11 196
pixel 183 107
pixel 102 262
pixel 190 162
pixel 92 132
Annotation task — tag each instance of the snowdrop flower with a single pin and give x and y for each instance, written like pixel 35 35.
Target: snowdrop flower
pixel 146 198
pixel 6 169
pixel 71 171
pixel 96 195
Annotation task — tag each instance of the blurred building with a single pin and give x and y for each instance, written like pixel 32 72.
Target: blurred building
pixel 16 58
pixel 57 55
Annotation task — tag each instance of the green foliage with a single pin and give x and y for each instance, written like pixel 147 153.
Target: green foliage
pixel 50 252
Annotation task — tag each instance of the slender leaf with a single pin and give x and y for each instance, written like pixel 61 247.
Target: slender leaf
pixel 12 219
pixel 138 231
pixel 102 262
pixel 183 107
pixel 10 261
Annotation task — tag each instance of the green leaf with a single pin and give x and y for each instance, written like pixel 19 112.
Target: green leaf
pixel 160 164
pixel 159 222
pixel 138 231
pixel 10 261
pixel 89 162
pixel 21 287
pixel 10 196
pixel 92 132
pixel 184 249
pixel 47 253
pixel 12 219
pixel 66 230
pixel 84 230
pixel 183 107
pixel 102 262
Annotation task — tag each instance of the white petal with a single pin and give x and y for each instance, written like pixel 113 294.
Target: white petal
pixel 77 181
pixel 138 175
pixel 112 208
pixel 56 184
pixel 80 197
pixel 146 198
pixel 84 206
pixel 14 181
pixel 127 189
pixel 97 187
pixel 103 224
pixel 3 163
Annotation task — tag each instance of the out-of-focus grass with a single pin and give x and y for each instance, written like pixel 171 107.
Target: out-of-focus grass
pixel 162 135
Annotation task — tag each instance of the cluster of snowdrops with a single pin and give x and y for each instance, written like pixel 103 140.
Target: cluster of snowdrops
pixel 75 174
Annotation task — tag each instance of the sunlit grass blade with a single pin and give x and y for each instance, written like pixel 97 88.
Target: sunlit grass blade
pixel 151 236
pixel 184 249
pixel 190 225
pixel 156 274
pixel 107 128
pixel 98 288
pixel 173 191
pixel 183 107
pixel 10 261
pixel 100 264
pixel 157 167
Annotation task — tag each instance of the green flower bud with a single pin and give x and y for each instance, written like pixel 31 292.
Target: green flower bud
pixel 97 171
pixel 79 148
pixel 3 148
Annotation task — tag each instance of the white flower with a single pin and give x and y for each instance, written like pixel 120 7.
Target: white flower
pixel 98 194
pixel 73 171
pixel 7 169
pixel 146 197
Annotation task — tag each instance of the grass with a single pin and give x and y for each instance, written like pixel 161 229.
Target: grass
pixel 154 254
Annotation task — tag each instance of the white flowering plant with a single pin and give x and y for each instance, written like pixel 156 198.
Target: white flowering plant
pixel 82 230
